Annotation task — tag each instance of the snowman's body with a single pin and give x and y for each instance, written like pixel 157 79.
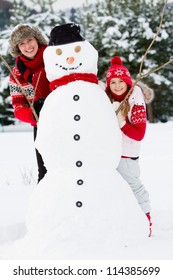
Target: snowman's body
pixel 87 128
pixel 79 202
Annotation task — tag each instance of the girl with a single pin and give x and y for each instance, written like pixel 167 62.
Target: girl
pixel 132 121
pixel 27 45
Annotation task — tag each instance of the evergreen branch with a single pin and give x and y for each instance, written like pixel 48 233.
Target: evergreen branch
pixel 22 89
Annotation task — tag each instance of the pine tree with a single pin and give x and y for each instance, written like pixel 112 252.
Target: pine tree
pixel 4 13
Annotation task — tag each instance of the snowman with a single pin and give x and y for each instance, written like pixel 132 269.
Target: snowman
pixel 82 208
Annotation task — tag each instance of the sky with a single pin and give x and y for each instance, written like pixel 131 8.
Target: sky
pixel 72 3
pixel 68 4
pixel 61 4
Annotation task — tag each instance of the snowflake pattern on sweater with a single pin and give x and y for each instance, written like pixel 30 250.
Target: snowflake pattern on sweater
pixel 22 110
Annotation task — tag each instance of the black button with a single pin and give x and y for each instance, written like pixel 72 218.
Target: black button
pixel 80 182
pixel 79 204
pixel 79 163
pixel 76 97
pixel 76 137
pixel 77 117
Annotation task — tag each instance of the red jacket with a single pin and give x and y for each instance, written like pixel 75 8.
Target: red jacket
pixel 35 91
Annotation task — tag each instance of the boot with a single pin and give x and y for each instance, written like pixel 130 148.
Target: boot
pixel 150 224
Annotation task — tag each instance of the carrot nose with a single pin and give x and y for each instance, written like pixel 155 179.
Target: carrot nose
pixel 70 60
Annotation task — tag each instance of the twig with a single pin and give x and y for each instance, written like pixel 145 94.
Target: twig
pixel 19 84
pixel 156 69
pixel 35 90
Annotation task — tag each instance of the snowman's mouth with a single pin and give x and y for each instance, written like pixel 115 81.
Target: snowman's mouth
pixel 68 68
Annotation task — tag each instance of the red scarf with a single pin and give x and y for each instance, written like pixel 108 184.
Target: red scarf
pixel 91 78
pixel 117 97
pixel 36 66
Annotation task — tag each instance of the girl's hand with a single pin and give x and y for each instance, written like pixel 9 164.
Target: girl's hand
pixel 121 119
pixel 116 105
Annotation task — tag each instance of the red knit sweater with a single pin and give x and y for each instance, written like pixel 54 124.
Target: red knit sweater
pixel 135 126
pixel 34 91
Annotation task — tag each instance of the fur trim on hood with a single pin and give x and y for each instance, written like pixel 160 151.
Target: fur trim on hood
pixel 148 92
pixel 22 32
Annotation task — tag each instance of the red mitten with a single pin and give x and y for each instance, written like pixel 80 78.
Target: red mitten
pixel 25 115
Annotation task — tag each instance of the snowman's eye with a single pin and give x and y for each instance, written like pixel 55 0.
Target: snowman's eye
pixel 77 49
pixel 58 51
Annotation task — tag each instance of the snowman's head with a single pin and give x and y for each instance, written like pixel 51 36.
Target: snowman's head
pixel 69 53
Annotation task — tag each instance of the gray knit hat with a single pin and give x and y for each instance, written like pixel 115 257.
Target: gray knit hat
pixel 22 32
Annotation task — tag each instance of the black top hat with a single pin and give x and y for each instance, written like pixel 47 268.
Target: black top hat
pixel 65 34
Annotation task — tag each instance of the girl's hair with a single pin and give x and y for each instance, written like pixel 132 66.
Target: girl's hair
pixel 125 109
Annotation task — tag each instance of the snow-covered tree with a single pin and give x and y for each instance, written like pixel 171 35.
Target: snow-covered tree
pixel 4 13
pixel 20 13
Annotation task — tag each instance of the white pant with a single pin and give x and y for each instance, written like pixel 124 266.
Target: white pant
pixel 130 171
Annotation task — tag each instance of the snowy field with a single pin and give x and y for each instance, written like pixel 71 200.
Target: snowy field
pixel 18 176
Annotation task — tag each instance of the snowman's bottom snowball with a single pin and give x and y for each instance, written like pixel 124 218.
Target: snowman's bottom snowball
pixel 107 226
pixel 109 218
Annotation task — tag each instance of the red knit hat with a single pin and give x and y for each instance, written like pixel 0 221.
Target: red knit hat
pixel 117 70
